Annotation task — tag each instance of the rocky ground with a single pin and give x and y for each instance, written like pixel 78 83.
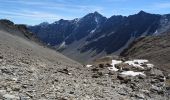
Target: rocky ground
pixel 147 84
pixel 32 72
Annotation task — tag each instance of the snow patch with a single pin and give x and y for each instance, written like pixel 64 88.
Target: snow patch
pixel 137 63
pixel 77 20
pixel 150 65
pixel 93 30
pixel 141 61
pixel 63 44
pixel 96 20
pixel 132 73
pixel 156 32
pixel 14 79
pixel 114 62
pixel 56 22
pixel 89 66
pixel 166 20
pixel 48 44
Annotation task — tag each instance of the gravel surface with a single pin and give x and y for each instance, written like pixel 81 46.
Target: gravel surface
pixel 29 71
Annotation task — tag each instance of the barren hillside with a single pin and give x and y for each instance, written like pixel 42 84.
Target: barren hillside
pixel 154 48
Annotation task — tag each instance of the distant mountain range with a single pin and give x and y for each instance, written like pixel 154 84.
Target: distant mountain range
pixel 94 35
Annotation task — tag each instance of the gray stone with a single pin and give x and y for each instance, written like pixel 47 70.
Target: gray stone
pixel 15 87
pixel 123 66
pixel 2 92
pixel 1 57
pixel 156 89
pixel 168 76
pixel 6 71
pixel 24 98
pixel 10 97
pixel 124 78
pixel 140 96
pixel 1 97
pixel 154 81
pixel 122 93
pixel 156 72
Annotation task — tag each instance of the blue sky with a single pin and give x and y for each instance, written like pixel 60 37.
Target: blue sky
pixel 33 12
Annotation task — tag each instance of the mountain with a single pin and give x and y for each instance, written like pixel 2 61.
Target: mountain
pixel 94 35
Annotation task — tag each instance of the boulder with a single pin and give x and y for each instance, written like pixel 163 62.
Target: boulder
pixel 168 76
pixel 1 57
pixel 140 96
pixel 160 78
pixel 167 83
pixel 154 81
pixel 24 98
pixel 123 66
pixel 97 75
pixel 156 89
pixel 123 78
pixel 16 87
pixel 156 72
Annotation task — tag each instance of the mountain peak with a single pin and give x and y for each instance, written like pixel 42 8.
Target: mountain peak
pixel 96 13
pixel 142 12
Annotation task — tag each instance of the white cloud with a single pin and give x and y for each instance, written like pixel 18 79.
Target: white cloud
pixel 74 9
pixel 31 14
pixel 163 5
pixel 46 10
pixel 58 5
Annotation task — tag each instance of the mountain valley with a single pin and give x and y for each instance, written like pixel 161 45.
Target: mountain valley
pixel 116 58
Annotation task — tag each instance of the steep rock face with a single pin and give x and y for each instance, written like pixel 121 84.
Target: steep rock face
pixel 52 33
pixel 86 26
pixel 125 28
pixel 95 35
pixel 68 30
